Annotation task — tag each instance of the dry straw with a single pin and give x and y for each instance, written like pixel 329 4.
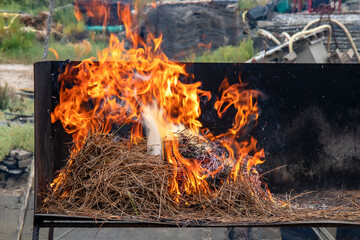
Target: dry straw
pixel 113 179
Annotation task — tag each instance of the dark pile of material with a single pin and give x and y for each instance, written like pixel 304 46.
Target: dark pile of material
pixel 14 169
pixel 191 26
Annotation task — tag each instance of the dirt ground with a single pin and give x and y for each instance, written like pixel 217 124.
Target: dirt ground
pixel 17 76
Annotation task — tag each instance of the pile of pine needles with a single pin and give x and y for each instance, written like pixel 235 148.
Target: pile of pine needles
pixel 111 178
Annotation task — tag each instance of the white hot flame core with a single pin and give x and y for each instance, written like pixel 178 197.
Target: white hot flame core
pixel 157 128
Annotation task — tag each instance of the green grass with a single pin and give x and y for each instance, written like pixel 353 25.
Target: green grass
pixel 66 18
pixel 17 46
pixel 15 43
pixel 65 15
pixel 247 4
pixel 13 37
pixel 30 6
pixel 32 9
pixel 66 50
pixel 4 97
pixel 16 136
pixel 228 54
pixel 23 106
pixel 11 102
pixel 76 51
pixel 20 55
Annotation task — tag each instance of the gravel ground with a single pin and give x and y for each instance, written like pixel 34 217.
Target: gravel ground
pixel 17 76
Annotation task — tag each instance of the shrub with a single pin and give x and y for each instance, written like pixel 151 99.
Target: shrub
pixel 74 29
pixel 16 136
pixel 10 101
pixel 66 17
pixel 13 38
pixel 29 6
pixel 4 97
pixel 21 105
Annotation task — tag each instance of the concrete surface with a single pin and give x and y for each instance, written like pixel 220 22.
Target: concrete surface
pixel 10 206
pixel 17 76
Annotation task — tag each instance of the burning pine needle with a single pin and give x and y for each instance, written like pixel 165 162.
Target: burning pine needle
pixel 118 179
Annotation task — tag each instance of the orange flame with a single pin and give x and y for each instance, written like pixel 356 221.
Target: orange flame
pixel 207 46
pixel 125 83
pixel 97 10
pixel 243 101
pixel 77 12
pixel 153 4
pixel 55 53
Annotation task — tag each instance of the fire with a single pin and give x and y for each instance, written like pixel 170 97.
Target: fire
pixel 77 12
pixel 243 101
pixel 54 52
pixel 96 10
pixel 207 46
pixel 142 87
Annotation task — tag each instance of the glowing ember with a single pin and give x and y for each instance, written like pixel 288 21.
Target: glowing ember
pixel 142 87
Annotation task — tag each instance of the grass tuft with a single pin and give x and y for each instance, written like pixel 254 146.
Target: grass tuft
pixel 16 136
pixel 4 97
pixel 228 54
pixel 11 102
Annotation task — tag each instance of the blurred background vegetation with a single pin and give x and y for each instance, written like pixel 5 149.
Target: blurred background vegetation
pixel 227 54
pixel 24 44
pixel 15 135
pixel 72 39
pixel 29 6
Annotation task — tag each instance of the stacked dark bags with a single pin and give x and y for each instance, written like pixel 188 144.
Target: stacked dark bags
pixel 191 27
pixel 15 164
